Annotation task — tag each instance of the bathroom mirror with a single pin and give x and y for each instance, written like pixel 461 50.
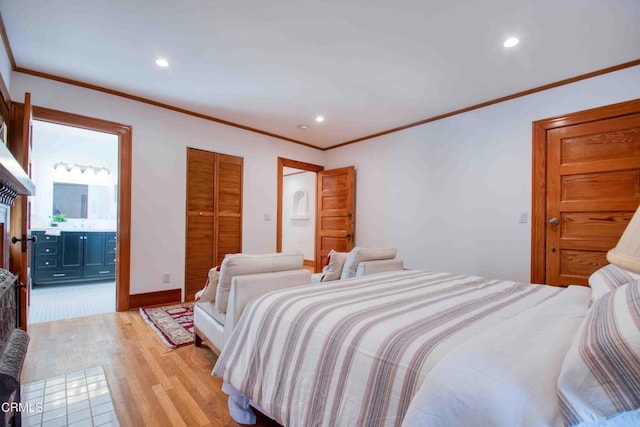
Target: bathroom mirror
pixel 80 200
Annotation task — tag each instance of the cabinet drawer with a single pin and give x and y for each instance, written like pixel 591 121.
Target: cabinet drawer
pixel 46 261
pixel 46 249
pixel 94 272
pixel 42 238
pixel 57 275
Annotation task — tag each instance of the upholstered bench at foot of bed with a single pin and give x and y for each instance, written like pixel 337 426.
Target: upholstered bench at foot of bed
pixel 216 327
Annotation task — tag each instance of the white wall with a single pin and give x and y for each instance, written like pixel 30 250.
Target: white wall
pixel 160 138
pixel 299 233
pixel 448 193
pixel 54 143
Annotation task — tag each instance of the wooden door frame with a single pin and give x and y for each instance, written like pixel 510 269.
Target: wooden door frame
pixel 282 163
pixel 124 133
pixel 539 173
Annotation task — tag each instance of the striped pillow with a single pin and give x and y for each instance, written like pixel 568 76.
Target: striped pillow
pixel 608 278
pixel 600 376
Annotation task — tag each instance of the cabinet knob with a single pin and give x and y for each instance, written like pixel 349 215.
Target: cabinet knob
pixel 46 263
pixel 46 250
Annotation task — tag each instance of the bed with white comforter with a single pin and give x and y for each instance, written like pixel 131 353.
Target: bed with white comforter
pixel 408 348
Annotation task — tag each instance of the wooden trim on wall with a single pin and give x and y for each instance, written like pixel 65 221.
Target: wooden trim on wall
pixel 7 45
pixel 170 296
pixel 158 104
pixel 493 101
pixel 124 132
pixel 5 106
pixel 61 79
pixel 539 173
pixel 538 205
pixel 282 163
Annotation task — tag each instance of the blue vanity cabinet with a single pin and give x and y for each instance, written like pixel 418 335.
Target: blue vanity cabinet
pixel 73 256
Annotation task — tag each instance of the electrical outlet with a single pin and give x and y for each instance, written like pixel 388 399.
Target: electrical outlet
pixel 524 217
pixel 166 278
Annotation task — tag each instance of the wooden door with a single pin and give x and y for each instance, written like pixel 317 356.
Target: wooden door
pixel 214 214
pixel 201 171
pixel 20 145
pixel 593 189
pixel 228 224
pixel 336 201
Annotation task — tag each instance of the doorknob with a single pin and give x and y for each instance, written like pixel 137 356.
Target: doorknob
pixel 14 239
pixel 554 221
pixel 24 241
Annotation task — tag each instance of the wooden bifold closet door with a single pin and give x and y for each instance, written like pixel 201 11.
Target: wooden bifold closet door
pixel 214 214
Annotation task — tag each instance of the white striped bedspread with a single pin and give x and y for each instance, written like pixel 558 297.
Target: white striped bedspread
pixel 354 352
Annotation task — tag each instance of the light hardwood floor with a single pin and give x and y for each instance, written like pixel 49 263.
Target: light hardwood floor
pixel 151 385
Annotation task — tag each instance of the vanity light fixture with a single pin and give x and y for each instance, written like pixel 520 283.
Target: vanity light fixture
pixel 161 62
pixel 319 119
pixel 511 42
pixel 62 166
pixel 303 127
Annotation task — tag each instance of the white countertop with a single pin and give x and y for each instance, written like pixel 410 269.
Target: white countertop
pixel 78 229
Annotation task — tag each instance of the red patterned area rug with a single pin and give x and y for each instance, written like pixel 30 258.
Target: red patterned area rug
pixel 173 324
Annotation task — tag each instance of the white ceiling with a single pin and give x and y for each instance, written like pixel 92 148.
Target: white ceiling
pixel 366 65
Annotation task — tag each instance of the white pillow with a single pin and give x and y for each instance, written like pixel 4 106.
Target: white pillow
pixel 358 254
pixel 333 270
pixel 608 278
pixel 600 375
pixel 241 264
pixel 208 293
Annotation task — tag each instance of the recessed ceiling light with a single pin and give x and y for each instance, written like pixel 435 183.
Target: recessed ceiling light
pixel 511 42
pixel 319 119
pixel 161 62
pixel 303 127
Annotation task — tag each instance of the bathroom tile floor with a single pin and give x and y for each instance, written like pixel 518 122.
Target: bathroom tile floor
pixel 66 301
pixel 80 398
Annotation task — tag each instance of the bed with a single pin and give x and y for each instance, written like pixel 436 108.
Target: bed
pixel 405 348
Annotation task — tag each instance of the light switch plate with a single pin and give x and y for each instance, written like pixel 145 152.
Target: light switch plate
pixel 267 217
pixel 524 217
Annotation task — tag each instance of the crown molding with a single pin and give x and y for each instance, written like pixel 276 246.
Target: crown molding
pixel 494 101
pixel 5 39
pixel 157 104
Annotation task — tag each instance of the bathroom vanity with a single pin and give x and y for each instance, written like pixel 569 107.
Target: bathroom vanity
pixel 72 256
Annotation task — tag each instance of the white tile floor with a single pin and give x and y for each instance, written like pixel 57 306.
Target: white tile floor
pixel 66 301
pixel 78 399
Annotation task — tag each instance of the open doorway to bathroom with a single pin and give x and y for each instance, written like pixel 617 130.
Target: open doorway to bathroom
pixel 74 218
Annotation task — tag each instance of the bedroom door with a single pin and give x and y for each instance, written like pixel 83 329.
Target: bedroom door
pixel 20 146
pixel 592 190
pixel 336 202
